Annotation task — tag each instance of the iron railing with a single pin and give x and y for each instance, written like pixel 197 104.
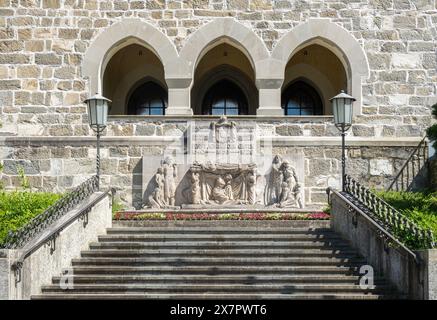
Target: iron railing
pixel 50 238
pixel 358 208
pixel 388 217
pixel 409 170
pixel 19 238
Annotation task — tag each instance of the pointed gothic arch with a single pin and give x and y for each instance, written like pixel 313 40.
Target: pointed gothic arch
pixel 118 36
pixel 336 39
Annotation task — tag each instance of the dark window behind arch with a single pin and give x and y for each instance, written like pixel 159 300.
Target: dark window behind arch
pixel 148 99
pixel 224 98
pixel 301 99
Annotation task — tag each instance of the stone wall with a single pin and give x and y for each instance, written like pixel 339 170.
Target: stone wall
pixel 413 278
pixel 43 43
pixel 59 163
pixel 42 264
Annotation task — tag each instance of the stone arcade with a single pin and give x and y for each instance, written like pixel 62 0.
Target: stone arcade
pixel 173 67
pixel 216 104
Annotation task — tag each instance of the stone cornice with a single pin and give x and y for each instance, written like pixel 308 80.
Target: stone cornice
pixel 298 141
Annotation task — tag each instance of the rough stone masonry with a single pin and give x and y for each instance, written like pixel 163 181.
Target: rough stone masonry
pixel 45 125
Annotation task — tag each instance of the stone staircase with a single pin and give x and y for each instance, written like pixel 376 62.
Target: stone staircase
pixel 217 260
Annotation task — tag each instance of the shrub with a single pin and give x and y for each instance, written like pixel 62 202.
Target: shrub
pixel 116 207
pixel 420 207
pixel 18 207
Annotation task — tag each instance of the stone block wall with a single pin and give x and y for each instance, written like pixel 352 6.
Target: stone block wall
pixel 57 164
pixel 43 43
pixel 42 48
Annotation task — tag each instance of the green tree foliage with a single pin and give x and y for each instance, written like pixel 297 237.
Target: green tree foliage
pixel 431 132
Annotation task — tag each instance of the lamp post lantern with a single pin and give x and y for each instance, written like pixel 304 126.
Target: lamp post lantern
pixel 342 106
pixel 97 117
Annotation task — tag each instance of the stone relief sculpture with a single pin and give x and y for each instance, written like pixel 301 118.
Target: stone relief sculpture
pixel 283 189
pixel 170 174
pixel 195 188
pixel 156 199
pixel 163 195
pixel 225 184
pixel 220 184
pixel 224 131
pixel 251 187
pixel 273 190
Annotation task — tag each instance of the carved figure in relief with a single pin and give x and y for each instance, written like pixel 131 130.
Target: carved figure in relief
pixel 283 189
pixel 169 169
pixel 251 187
pixel 155 199
pixel 228 187
pixel 273 190
pixel 195 188
pixel 219 194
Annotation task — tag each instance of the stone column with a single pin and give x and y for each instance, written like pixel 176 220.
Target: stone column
pixel 179 93
pixel 269 97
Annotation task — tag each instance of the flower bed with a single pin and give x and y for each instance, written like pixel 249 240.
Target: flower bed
pixel 132 215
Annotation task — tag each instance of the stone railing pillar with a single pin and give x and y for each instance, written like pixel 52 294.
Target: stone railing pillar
pixel 179 93
pixel 269 97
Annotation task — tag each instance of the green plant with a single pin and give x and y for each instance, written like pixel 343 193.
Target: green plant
pixel 117 206
pixel 431 132
pixel 420 207
pixel 2 186
pixel 19 207
pixel 24 180
pixel 327 209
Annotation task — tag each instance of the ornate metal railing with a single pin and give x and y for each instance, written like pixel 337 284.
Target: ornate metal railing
pixel 17 239
pixel 357 208
pixel 409 170
pixel 388 217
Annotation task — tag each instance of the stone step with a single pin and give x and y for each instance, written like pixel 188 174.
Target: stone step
pixel 234 252
pixel 204 245
pixel 218 231
pixel 220 261
pixel 215 296
pixel 219 270
pixel 219 238
pixel 218 288
pixel 217 260
pixel 215 279
pixel 212 224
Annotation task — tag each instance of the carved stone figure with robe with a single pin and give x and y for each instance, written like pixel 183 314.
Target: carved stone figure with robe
pixel 222 183
pixel 283 189
pixel 169 169
pixel 251 187
pixel 274 185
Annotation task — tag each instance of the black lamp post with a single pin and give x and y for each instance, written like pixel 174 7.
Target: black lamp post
pixel 97 117
pixel 342 105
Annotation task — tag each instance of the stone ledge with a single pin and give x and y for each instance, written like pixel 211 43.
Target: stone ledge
pixel 301 141
pixel 295 119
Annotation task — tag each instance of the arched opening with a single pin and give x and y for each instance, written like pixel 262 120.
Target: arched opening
pixel 134 81
pixel 301 99
pixel 149 98
pixel 313 75
pixel 224 98
pixel 224 83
